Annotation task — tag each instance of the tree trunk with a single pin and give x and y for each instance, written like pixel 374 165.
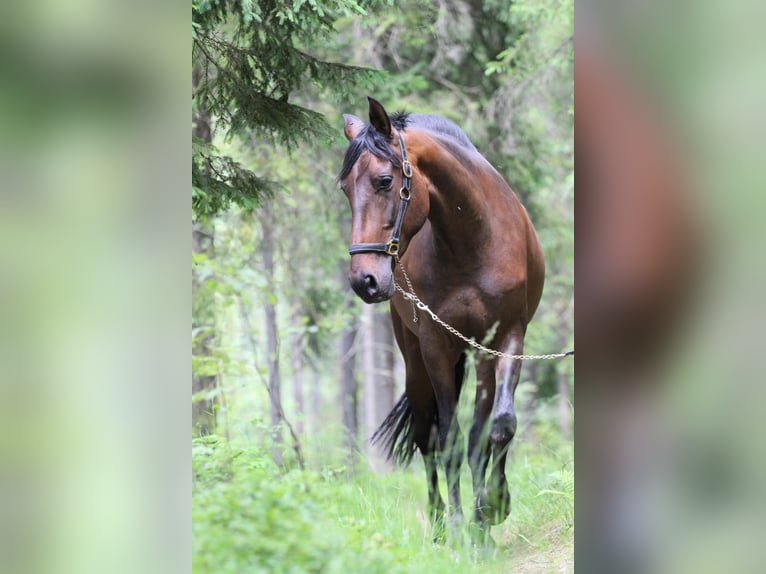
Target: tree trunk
pixel 348 385
pixel 369 369
pixel 297 364
pixel 315 405
pixel 275 405
pixel 378 372
pixel 529 406
pixel 348 390
pixel 565 325
pixel 203 335
pixel 565 416
pixel 387 345
pixel 272 341
pixel 203 311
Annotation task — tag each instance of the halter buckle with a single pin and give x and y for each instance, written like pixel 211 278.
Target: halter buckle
pixel 392 248
pixel 405 193
pixel 407 168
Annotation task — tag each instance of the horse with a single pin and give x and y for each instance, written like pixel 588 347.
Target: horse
pixel 460 239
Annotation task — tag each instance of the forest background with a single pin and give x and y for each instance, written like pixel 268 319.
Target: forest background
pixel 94 221
pixel 291 372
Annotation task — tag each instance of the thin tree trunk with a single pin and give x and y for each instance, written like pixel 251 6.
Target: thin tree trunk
pixel 565 416
pixel 565 321
pixel 203 311
pixel 532 371
pixel 297 364
pixel 272 341
pixel 369 369
pixel 348 384
pixel 315 405
pixel 348 388
pixel 296 443
pixel 386 344
pixel 203 335
pixel 378 373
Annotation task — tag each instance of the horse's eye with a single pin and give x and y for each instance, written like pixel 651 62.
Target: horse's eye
pixel 384 183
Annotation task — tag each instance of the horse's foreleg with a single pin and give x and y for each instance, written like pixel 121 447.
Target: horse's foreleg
pixel 451 444
pixel 435 503
pixel 425 438
pixel 478 439
pixel 441 371
pixel 497 502
pixel 423 405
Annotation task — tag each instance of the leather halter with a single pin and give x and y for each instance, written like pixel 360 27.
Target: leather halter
pixel 392 246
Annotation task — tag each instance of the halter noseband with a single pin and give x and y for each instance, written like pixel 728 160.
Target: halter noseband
pixel 392 246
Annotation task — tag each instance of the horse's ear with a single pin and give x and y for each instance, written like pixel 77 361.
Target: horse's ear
pixel 353 125
pixel 379 117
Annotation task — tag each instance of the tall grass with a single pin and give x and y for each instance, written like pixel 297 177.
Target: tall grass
pixel 248 516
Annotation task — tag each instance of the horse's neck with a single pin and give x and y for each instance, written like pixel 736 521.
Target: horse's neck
pixel 459 210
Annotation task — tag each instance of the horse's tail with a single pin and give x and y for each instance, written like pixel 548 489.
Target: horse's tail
pixel 396 434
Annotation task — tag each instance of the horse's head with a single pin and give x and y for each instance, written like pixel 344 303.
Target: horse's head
pixel 388 206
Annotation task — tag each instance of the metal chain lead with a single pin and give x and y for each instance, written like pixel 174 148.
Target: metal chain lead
pixel 413 301
pixel 416 302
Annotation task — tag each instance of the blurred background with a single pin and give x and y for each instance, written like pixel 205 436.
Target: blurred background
pixel 669 454
pixel 94 217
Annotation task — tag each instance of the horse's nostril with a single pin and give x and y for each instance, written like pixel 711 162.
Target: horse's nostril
pixel 366 286
pixel 370 284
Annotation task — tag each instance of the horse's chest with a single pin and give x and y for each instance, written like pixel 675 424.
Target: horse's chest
pixel 464 309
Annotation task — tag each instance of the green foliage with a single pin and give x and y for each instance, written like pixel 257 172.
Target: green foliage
pixel 310 246
pixel 563 487
pixel 249 518
pixel 220 181
pixel 249 60
pixel 543 28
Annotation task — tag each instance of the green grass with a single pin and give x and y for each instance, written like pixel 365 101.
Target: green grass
pixel 249 517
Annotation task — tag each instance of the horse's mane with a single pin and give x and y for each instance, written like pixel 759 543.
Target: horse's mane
pixel 371 140
pixel 440 126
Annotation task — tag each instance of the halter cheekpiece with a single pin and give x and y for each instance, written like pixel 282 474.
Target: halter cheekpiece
pixel 392 246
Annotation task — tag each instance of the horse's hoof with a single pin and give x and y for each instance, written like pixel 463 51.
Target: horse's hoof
pixel 438 524
pixel 439 534
pixel 456 531
pixel 448 528
pixel 493 507
pixel 481 538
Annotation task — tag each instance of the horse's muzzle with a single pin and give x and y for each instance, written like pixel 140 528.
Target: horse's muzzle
pixel 370 288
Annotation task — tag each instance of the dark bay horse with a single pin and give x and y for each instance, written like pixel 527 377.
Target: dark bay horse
pixel 420 192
